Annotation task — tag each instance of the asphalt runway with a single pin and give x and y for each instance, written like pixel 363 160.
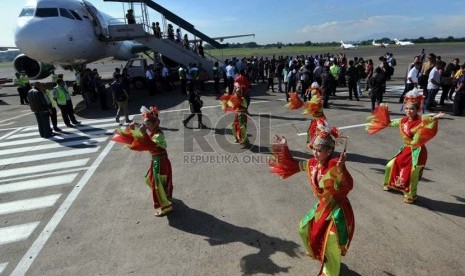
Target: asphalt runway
pixel 231 216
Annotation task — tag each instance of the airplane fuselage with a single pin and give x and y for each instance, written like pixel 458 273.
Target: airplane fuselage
pixel 66 33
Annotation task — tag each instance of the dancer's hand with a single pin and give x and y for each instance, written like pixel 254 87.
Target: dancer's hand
pixel 439 115
pixel 280 140
pixel 341 162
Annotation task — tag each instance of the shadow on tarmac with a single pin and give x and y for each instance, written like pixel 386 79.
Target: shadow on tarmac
pixel 451 208
pixel 345 270
pixel 218 232
pixel 354 157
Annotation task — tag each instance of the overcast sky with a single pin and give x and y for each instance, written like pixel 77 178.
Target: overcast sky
pixel 294 21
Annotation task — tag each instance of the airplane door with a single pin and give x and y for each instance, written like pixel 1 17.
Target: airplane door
pixel 101 27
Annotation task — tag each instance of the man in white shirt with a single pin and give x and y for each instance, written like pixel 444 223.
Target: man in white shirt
pixel 412 79
pixel 151 82
pixel 434 81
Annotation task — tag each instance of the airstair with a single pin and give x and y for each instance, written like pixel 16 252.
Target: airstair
pixel 141 32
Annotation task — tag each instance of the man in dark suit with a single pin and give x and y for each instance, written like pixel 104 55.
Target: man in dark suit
pixel 42 108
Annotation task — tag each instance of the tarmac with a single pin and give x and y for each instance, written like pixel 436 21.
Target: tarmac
pixel 231 216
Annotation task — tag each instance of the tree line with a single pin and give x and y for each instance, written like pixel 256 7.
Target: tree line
pixel 418 40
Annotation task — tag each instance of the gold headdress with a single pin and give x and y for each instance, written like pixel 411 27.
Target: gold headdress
pixel 325 135
pixel 151 114
pixel 414 97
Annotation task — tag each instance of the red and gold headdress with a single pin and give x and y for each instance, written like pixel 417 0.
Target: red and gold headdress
pixel 414 97
pixel 325 135
pixel 151 114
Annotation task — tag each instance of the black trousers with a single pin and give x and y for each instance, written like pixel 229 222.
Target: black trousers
pixel 53 117
pixel 353 89
pixel 459 103
pixel 23 94
pixel 43 122
pixel 67 112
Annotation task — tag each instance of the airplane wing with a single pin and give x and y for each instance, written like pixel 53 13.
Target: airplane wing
pixel 8 48
pixel 221 38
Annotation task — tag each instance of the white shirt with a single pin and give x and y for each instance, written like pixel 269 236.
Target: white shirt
pixel 434 74
pixel 164 72
pixel 149 74
pixel 412 74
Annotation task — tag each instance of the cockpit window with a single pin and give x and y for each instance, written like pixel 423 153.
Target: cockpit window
pixel 47 12
pixel 66 13
pixel 27 12
pixel 75 14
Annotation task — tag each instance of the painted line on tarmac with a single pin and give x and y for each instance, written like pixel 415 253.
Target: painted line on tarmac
pixel 47 156
pixel 27 260
pixel 42 168
pixel 19 116
pixel 359 125
pixel 2 267
pixel 344 127
pixel 28 204
pixel 73 143
pixel 10 133
pixel 17 233
pixel 35 176
pixel 37 183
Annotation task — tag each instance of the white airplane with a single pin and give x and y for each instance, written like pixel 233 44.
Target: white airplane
pixel 65 33
pixel 403 43
pixel 382 45
pixel 347 46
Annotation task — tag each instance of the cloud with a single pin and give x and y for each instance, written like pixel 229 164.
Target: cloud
pixel 358 29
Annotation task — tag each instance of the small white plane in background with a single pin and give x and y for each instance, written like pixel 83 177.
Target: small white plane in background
pixel 403 43
pixel 382 45
pixel 347 46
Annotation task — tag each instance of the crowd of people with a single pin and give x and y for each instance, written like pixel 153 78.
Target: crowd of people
pixel 308 82
pixel 295 74
pixel 196 45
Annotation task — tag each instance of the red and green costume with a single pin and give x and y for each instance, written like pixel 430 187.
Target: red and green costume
pixel 159 176
pixel 327 229
pixel 312 107
pixel 404 170
pixel 237 104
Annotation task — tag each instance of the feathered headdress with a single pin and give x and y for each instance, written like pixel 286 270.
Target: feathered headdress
pixel 149 113
pixel 325 135
pixel 414 97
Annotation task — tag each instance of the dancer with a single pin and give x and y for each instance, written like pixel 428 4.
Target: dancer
pixel 149 137
pixel 236 102
pixel 404 170
pixel 312 107
pixel 327 229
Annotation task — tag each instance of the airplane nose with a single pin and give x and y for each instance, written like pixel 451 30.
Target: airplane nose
pixel 32 35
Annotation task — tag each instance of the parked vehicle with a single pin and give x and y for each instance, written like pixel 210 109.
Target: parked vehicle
pixel 136 71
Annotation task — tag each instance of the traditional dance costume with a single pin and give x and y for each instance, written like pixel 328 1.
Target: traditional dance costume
pixel 159 175
pixel 327 229
pixel 312 107
pixel 238 104
pixel 404 170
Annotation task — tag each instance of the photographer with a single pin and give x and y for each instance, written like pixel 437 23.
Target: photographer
pixel 195 105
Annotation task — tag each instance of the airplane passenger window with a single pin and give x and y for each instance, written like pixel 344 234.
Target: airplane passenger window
pixel 47 12
pixel 75 14
pixel 27 12
pixel 66 13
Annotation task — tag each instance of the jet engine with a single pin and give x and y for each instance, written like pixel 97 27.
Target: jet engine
pixel 34 70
